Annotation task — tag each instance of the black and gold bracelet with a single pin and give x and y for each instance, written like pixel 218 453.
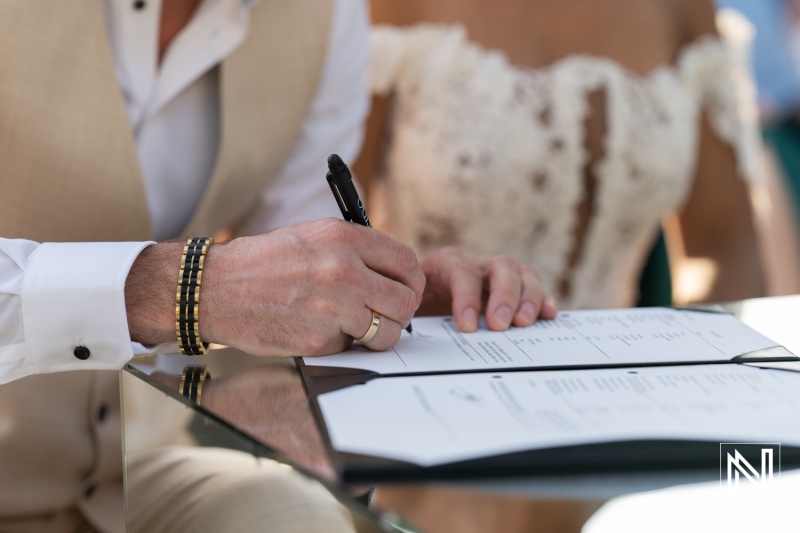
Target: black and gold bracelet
pixel 192 381
pixel 187 297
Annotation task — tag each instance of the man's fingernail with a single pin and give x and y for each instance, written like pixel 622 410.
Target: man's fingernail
pixel 504 315
pixel 471 319
pixel 550 302
pixel 527 312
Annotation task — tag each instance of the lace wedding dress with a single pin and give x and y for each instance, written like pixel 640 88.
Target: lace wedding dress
pixel 491 158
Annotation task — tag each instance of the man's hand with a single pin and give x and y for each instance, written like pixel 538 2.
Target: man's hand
pixel 305 289
pixel 461 286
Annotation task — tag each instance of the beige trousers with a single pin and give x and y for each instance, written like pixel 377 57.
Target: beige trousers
pixel 203 490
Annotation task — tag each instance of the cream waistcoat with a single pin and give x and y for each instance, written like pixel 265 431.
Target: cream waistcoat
pixel 69 172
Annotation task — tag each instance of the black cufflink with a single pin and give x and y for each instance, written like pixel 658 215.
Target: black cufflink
pixel 82 353
pixel 138 5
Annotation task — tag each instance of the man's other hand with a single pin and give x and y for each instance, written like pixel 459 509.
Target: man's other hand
pixel 509 292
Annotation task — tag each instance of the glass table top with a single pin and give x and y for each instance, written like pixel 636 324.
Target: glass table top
pixel 260 406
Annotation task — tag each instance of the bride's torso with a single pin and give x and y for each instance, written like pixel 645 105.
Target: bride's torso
pixel 494 158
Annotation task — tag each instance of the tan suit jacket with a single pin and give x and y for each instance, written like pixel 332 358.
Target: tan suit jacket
pixel 69 172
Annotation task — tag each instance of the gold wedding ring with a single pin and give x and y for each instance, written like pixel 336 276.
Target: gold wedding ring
pixel 373 328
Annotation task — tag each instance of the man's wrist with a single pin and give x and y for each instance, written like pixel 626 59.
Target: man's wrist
pixel 150 294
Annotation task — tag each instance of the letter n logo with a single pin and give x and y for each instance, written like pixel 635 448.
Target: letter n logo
pixel 754 462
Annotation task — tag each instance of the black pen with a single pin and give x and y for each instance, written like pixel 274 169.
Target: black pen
pixel 341 182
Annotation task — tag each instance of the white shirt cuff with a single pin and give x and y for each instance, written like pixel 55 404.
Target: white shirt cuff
pixel 73 295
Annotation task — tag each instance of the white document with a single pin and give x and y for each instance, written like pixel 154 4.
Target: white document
pixel 596 337
pixel 431 420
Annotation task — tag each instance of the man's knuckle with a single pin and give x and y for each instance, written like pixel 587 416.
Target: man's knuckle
pixel 316 343
pixel 329 223
pixel 323 308
pixel 530 271
pixel 504 262
pixel 335 270
pixel 409 303
pixel 325 226
pixel 406 258
pixel 512 263
pixel 418 283
pixel 336 230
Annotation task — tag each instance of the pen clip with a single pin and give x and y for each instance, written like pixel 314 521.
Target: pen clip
pixel 343 207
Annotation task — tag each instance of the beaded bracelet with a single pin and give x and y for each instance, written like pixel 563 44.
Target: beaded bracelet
pixel 187 297
pixel 192 381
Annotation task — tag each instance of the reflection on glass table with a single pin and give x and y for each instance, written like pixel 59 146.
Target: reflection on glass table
pixel 260 407
pixel 217 465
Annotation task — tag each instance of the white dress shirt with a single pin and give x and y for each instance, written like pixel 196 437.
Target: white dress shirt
pixel 54 297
